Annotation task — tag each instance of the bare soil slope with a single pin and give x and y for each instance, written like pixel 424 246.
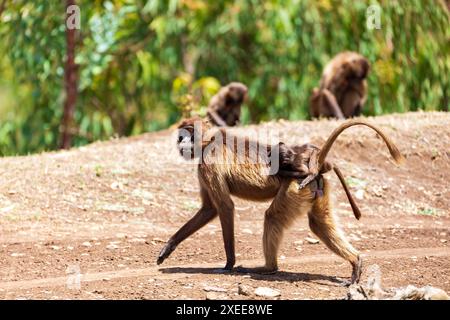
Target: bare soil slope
pixel 100 214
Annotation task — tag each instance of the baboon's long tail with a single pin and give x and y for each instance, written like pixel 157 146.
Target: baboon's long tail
pixel 395 153
pixel 353 204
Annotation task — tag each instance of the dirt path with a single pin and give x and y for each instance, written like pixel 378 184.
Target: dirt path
pixel 175 271
pixel 100 214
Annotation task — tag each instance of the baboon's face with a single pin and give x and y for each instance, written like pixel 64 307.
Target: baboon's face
pixel 286 155
pixel 236 95
pixel 357 67
pixel 189 138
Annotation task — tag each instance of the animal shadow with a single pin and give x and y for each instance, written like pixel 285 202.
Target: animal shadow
pixel 278 276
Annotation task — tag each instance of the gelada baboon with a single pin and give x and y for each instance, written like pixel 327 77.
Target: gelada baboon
pixel 224 109
pixel 220 176
pixel 343 88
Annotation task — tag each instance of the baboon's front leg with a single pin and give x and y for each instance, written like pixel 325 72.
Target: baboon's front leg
pixel 217 119
pixel 206 213
pixel 202 217
pixel 329 100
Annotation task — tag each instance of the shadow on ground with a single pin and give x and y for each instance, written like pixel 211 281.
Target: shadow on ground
pixel 278 276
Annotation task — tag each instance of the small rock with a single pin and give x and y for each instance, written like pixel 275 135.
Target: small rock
pixel 15 254
pixel 311 240
pixel 425 293
pixel 214 289
pixel 86 244
pixel 244 290
pixel 359 194
pixel 117 185
pixel 111 247
pixel 435 294
pixel 55 247
pixel 138 240
pixel 443 240
pixel 216 296
pixel 377 193
pixel 267 292
pixel 247 231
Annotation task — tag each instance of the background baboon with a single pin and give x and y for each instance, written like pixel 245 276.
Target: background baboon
pixel 219 179
pixel 343 87
pixel 224 109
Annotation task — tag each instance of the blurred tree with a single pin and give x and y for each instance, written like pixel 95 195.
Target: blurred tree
pixel 70 77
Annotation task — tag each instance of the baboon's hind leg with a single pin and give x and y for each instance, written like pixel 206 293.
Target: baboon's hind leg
pixel 324 225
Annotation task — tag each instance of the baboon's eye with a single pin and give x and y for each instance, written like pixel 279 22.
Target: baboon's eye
pixel 180 138
pixel 192 138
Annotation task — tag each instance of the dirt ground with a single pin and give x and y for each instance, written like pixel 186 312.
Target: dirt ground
pixel 88 223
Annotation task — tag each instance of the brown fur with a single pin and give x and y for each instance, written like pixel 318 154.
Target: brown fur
pixel 224 109
pixel 343 88
pixel 307 161
pixel 220 181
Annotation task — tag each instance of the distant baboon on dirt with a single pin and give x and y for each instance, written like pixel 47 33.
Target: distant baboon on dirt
pixel 343 88
pixel 224 109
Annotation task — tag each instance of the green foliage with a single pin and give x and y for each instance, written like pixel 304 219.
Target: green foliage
pixel 192 98
pixel 142 62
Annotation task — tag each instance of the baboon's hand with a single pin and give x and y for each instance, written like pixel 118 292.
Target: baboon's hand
pixel 165 252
